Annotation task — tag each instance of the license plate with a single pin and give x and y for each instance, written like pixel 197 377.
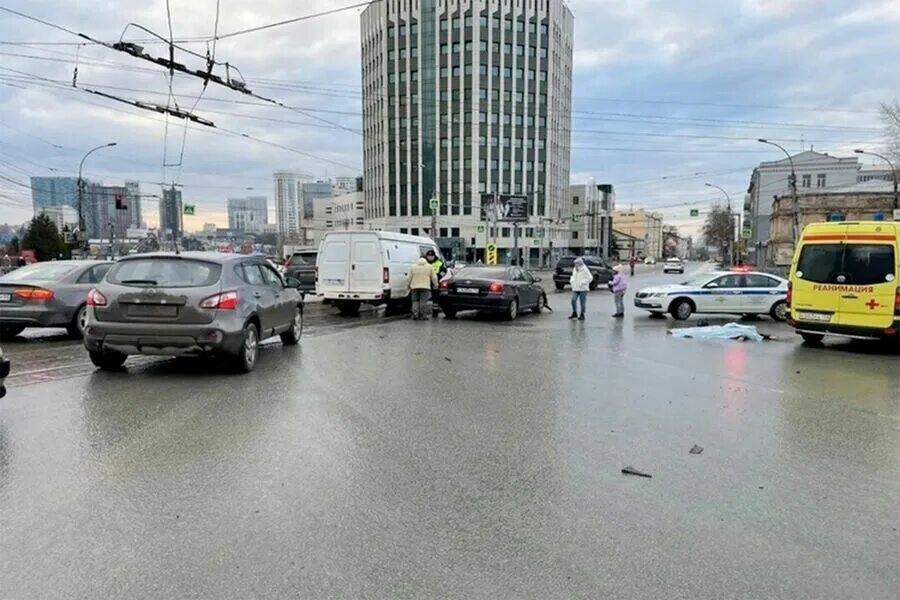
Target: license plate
pixel 5 297
pixel 467 290
pixel 152 310
pixel 808 316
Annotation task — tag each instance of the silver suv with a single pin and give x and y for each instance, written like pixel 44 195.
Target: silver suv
pixel 190 304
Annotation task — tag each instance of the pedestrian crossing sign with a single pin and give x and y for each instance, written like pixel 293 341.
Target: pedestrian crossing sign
pixel 480 228
pixel 189 209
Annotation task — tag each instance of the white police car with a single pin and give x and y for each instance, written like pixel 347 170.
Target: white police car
pixel 732 292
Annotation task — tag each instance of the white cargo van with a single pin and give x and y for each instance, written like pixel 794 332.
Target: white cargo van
pixel 354 267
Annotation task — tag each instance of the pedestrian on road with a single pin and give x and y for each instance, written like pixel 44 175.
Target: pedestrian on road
pixel 421 279
pixel 580 281
pixel 618 285
pixel 631 262
pixel 440 270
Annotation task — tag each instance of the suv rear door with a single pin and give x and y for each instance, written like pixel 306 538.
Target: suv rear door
pixel 159 289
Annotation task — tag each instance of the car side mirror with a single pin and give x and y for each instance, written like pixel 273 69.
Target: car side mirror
pixel 292 282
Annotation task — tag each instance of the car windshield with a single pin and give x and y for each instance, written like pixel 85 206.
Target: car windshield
pixel 852 264
pixel 49 271
pixel 482 273
pixel 303 259
pixel 696 281
pixel 165 272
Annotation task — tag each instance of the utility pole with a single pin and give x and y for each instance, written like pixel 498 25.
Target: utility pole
pixel 112 233
pixel 894 174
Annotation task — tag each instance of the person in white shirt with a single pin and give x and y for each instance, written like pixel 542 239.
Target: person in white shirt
pixel 580 281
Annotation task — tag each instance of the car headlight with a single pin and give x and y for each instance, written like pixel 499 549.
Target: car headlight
pixel 659 295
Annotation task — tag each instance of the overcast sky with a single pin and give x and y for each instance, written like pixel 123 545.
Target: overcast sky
pixel 674 90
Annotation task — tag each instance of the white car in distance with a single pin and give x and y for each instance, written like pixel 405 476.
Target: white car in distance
pixel 673 265
pixel 718 292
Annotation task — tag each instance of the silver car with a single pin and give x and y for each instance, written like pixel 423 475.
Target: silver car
pixel 48 294
pixel 191 304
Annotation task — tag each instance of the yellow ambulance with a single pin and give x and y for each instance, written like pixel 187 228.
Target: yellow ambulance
pixel 844 281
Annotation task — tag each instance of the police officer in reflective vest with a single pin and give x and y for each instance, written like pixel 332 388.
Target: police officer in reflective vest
pixel 440 270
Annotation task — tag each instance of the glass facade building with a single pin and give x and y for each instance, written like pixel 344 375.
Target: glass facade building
pixel 463 98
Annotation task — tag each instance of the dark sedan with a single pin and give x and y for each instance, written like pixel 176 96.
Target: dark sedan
pixel 500 290
pixel 302 267
pixel 48 294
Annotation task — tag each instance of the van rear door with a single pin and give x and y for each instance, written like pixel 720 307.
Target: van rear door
pixel 366 264
pixel 869 267
pixel 333 263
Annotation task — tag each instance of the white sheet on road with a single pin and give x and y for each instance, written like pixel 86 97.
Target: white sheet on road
pixel 730 331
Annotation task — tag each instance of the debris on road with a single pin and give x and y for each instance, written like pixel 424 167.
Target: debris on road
pixel 633 471
pixel 448 359
pixel 730 331
pixel 696 449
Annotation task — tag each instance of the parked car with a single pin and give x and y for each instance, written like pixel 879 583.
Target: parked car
pixel 48 294
pixel 191 304
pixel 4 372
pixel 733 292
pixel 302 267
pixel 356 267
pixel 602 272
pixel 673 265
pixel 649 261
pixel 501 290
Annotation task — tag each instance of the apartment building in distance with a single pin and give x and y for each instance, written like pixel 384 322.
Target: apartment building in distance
pixel 463 98
pixel 644 231
pixel 589 215
pixel 248 214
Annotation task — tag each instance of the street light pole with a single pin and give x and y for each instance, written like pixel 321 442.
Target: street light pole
pixel 81 225
pixel 894 174
pixel 793 183
pixel 731 252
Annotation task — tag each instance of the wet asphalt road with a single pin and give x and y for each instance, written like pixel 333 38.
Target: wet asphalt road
pixel 465 459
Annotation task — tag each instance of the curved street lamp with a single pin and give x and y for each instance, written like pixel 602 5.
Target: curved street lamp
pixel 81 226
pixel 731 247
pixel 894 174
pixel 792 181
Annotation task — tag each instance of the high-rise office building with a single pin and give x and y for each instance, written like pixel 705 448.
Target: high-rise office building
pixel 248 214
pixel 47 192
pixel 463 98
pixel 170 214
pixel 287 213
pixel 100 206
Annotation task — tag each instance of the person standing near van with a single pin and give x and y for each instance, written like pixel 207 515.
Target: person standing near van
pixel 618 285
pixel 580 281
pixel 440 270
pixel 421 280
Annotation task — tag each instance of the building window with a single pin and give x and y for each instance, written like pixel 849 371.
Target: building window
pixel 495 70
pixel 445 49
pixel 520 73
pixel 454 232
pixel 520 50
pixel 483 21
pixel 504 232
pixel 542 52
pixel 575 200
pixel 574 235
pixel 495 22
pixel 392 54
pixel 469 21
pixel 543 76
pixel 457 47
pixel 820 180
pixel 443 231
pixel 806 181
pixel 482 163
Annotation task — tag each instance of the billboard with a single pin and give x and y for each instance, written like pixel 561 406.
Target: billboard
pixel 504 208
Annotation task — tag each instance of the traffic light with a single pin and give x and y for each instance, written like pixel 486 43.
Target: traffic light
pixel 120 202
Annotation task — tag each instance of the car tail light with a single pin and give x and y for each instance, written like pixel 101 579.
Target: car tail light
pixel 223 301
pixel 95 298
pixel 444 284
pixel 39 294
pixel 790 294
pixel 897 302
pixel 496 287
pixel 385 275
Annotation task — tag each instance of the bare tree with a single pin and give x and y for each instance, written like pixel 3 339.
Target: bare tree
pixel 890 116
pixel 718 230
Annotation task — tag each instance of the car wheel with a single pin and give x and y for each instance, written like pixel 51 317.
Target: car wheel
pixel 682 309
pixel 512 311
pixel 76 327
pixel 539 307
pixel 11 330
pixel 560 286
pixel 245 359
pixel 779 311
pixel 348 308
pixel 812 339
pixel 594 283
pixel 107 360
pixel 291 337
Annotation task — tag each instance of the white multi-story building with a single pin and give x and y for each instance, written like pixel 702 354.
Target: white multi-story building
pixel 463 98
pixel 343 185
pixel 288 213
pixel 248 214
pixel 814 171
